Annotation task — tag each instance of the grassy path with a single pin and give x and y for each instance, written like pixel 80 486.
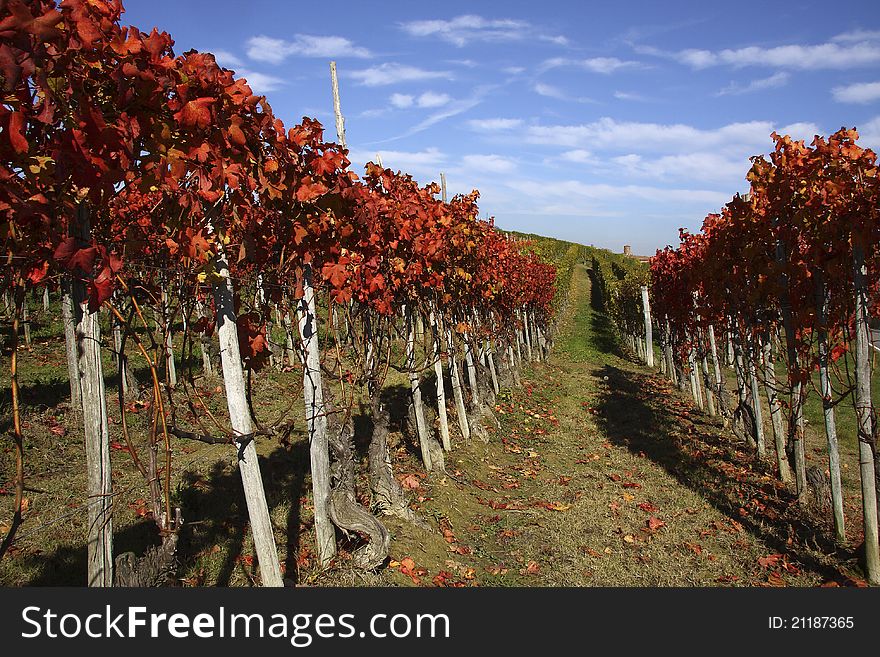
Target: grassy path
pixel 603 475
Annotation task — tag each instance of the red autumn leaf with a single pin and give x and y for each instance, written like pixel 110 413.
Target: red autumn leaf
pixel 532 568
pixel 309 190
pixel 196 113
pixel 17 138
pixel 99 291
pixel 647 507
pixel 769 561
pixel 410 482
pixel 654 523
pixel 631 484
pixel 252 343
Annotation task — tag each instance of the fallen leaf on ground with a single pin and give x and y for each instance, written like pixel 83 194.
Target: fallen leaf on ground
pixel 654 523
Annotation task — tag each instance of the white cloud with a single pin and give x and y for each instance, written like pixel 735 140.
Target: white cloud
pixel 467 63
pixel 392 73
pixel 449 110
pixel 869 134
pixel 734 89
pixel 800 130
pixel 260 83
pixel 269 49
pixel 495 124
pixel 575 189
pixel 428 100
pixel 604 65
pixel 578 155
pixel 706 166
pixel 549 91
pixel 864 92
pixel 227 60
pixel 626 95
pixel 857 35
pixel 833 55
pixel 491 163
pixel 430 159
pixel 462 30
pixel 513 70
pixel 608 133
pixel 431 99
pixel 401 101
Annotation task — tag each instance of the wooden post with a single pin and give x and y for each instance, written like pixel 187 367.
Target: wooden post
pixel 525 334
pixel 471 370
pixel 649 334
pixel 796 414
pixel 416 393
pixel 171 369
pixel 865 414
pixel 443 186
pixel 775 410
pixel 316 420
pixel 337 108
pixel 695 380
pixel 46 299
pixel 242 425
pixel 26 321
pixel 68 316
pixel 710 394
pixel 204 343
pixel 436 330
pixel 667 350
pixel 490 356
pixel 751 354
pixel 457 392
pixel 719 381
pixel 99 487
pixel 828 410
pixel 292 358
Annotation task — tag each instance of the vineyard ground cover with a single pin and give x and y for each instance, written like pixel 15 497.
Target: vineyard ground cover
pixel 601 474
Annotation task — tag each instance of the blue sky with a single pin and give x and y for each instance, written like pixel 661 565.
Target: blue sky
pixel 603 123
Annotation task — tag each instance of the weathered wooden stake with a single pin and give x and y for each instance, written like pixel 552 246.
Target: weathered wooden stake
pixel 865 415
pixel 436 331
pixel 99 487
pixel 649 331
pixel 460 409
pixel 242 425
pixel 416 393
pixel 337 108
pixel 775 410
pixel 316 420
pixel 828 411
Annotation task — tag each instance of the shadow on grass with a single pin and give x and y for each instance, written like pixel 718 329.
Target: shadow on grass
pixel 633 416
pixel 215 514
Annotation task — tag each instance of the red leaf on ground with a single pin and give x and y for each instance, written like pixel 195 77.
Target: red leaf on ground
pixel 655 523
pixel 769 560
pixel 410 482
